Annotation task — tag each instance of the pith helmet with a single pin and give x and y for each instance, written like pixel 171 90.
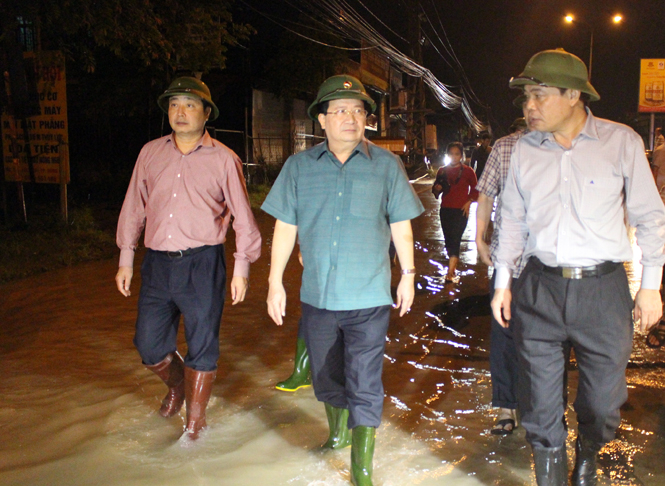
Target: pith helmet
pixel 518 124
pixel 556 68
pixel 340 87
pixel 188 86
pixel 519 101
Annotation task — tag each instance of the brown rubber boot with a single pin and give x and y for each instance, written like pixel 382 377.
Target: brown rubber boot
pixel 172 372
pixel 198 386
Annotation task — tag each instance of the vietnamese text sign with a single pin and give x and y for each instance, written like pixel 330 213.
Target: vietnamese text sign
pixel 47 132
pixel 652 81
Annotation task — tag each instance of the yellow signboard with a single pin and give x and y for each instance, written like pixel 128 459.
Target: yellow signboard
pixel 47 132
pixel 652 82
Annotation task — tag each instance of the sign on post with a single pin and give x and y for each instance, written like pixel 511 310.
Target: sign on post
pixel 47 132
pixel 652 82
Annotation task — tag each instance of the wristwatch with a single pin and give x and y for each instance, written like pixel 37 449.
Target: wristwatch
pixel 408 271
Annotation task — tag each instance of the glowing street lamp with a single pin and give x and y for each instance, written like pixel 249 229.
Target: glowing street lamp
pixel 617 18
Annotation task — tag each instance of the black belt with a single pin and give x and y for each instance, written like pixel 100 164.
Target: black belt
pixel 583 272
pixel 183 253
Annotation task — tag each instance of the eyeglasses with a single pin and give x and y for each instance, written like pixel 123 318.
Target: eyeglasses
pixel 357 112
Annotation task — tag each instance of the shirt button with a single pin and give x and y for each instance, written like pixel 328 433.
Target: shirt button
pixel 178 175
pixel 334 243
pixel 174 195
pixel 565 179
pixel 339 194
pixel 567 152
pixel 169 236
pixel 565 206
pixel 170 215
pixel 337 218
pixel 333 267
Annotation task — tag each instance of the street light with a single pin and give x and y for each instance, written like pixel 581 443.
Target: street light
pixel 617 18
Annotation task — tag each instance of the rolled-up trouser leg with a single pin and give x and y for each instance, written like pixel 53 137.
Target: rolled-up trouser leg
pixel 503 363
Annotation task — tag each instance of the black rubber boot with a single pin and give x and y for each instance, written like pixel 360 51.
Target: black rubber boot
pixel 551 466
pixel 301 374
pixel 340 435
pixel 362 454
pixel 586 452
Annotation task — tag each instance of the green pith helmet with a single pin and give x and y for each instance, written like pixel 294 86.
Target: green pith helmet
pixel 340 87
pixel 188 86
pixel 519 101
pixel 558 69
pixel 518 124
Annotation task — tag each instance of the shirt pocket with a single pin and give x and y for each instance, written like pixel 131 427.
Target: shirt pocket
pixel 599 195
pixel 366 197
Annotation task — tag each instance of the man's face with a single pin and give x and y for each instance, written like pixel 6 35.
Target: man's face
pixel 546 109
pixel 187 116
pixel 344 128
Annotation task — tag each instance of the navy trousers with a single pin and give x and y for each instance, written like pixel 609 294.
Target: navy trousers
pixel 594 317
pixel 346 356
pixel 503 362
pixel 193 286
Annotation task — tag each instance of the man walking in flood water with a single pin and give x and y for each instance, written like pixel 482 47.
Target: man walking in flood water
pixel 571 180
pixel 343 199
pixel 184 191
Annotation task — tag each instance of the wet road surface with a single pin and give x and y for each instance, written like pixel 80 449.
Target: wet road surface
pixel 79 409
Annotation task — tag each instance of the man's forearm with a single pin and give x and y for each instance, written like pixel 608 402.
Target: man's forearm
pixel 283 241
pixel 483 213
pixel 403 239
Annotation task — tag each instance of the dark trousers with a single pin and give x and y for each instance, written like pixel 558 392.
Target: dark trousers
pixel 453 224
pixel 591 315
pixel 346 356
pixel 193 286
pixel 503 362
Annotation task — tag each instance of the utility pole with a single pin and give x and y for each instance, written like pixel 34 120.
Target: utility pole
pixel 415 108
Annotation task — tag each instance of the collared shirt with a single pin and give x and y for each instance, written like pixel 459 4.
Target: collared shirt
pixel 343 213
pixel 186 201
pixel 566 206
pixel 492 182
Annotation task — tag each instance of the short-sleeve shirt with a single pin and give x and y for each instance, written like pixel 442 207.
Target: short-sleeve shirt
pixel 343 213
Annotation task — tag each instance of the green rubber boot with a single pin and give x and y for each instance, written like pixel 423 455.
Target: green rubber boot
pixel 340 435
pixel 362 453
pixel 301 376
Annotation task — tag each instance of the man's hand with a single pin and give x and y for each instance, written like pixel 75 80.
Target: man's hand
pixel 239 287
pixel 484 252
pixel 648 308
pixel 501 306
pixel 123 279
pixel 405 294
pixel 466 208
pixel 277 303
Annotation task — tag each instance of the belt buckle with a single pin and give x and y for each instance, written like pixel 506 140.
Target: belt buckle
pixel 176 254
pixel 572 272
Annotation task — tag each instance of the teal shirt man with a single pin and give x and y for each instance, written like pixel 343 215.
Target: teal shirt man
pixel 343 200
pixel 343 213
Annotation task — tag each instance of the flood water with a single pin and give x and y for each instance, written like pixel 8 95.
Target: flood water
pixel 79 409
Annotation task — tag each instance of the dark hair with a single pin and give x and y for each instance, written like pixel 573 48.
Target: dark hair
pixel 457 145
pixel 323 107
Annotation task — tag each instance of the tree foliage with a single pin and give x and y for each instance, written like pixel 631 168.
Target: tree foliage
pixel 156 34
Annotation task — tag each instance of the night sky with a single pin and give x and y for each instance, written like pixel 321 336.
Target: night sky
pixel 493 41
